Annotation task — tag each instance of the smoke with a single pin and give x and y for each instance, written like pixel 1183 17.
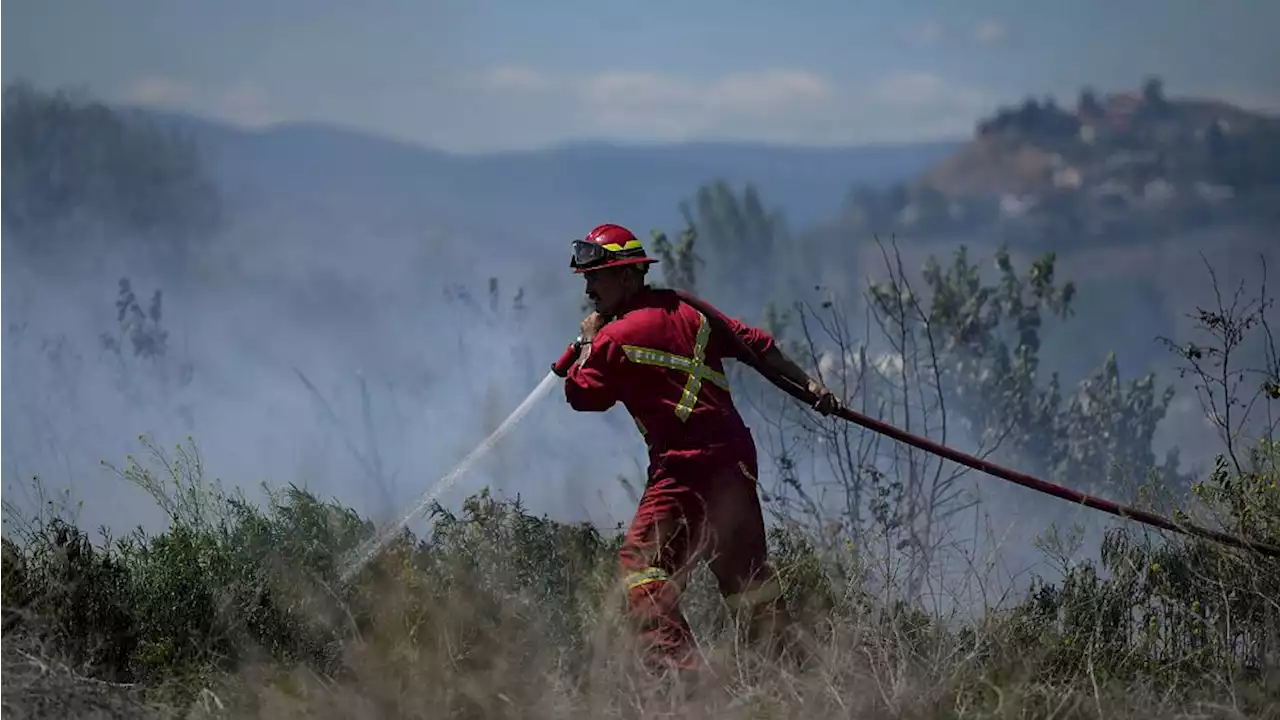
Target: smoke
pixel 409 355
pixel 361 351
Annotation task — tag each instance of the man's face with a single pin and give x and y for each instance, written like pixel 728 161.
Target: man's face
pixel 607 288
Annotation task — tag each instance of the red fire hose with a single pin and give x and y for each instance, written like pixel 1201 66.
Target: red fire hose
pixel 803 395
pixel 1028 481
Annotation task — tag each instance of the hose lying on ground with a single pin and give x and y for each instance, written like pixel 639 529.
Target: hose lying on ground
pixel 990 468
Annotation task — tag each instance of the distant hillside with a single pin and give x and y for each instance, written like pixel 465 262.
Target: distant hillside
pixel 1040 147
pixel 531 195
pixel 1125 164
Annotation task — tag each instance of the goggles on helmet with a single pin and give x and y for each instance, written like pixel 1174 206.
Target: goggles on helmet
pixel 586 254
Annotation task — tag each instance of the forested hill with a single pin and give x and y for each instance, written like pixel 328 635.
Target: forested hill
pixel 1117 167
pixel 554 190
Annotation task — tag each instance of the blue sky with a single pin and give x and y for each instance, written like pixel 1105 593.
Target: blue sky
pixel 490 74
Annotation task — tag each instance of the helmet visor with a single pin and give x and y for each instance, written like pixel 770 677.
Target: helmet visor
pixel 586 254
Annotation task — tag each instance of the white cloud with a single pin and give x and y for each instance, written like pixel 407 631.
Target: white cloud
pixel 515 78
pixel 634 102
pixel 929 32
pixel 759 93
pixel 241 104
pixel 911 104
pixel 246 105
pixel 925 91
pixel 637 103
pixel 518 106
pixel 627 90
pixel 666 106
pixel 989 32
pixel 769 91
pixel 777 104
pixel 160 91
pixel 908 89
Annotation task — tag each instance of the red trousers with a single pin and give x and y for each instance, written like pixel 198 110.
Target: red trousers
pixel 698 505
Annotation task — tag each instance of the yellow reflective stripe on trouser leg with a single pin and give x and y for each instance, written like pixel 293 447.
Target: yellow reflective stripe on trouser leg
pixel 645 576
pixel 695 366
pixel 765 592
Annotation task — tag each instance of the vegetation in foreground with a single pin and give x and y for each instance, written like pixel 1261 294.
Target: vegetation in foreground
pixel 236 610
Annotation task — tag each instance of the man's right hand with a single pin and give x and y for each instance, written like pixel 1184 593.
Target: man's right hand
pixel 827 403
pixel 591 325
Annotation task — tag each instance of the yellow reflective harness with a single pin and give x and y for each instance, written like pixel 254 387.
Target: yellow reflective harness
pixel 695 366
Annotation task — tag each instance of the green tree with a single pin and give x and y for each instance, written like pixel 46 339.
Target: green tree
pixel 679 261
pixel 1153 92
pixel 744 245
pixel 1183 601
pixel 989 341
pixel 963 353
pixel 1088 105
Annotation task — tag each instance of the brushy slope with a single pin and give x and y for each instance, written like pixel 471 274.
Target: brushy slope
pixel 235 611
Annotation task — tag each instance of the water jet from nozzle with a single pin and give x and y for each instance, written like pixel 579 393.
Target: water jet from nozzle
pixel 370 549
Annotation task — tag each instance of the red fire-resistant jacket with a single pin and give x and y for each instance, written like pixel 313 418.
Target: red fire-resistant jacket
pixel 660 359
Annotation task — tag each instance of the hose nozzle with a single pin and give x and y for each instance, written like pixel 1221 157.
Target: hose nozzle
pixel 566 361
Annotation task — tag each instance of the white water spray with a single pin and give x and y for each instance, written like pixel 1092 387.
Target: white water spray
pixel 368 550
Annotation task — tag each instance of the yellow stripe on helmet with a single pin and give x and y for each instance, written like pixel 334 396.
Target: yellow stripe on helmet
pixel 631 245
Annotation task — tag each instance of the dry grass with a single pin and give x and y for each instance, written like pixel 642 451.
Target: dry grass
pixel 236 611
pixel 36 685
pixel 856 674
pixel 458 629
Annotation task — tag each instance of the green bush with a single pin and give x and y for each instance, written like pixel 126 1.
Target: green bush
pixel 230 586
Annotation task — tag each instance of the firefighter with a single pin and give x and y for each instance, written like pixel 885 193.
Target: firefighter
pixel 657 355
